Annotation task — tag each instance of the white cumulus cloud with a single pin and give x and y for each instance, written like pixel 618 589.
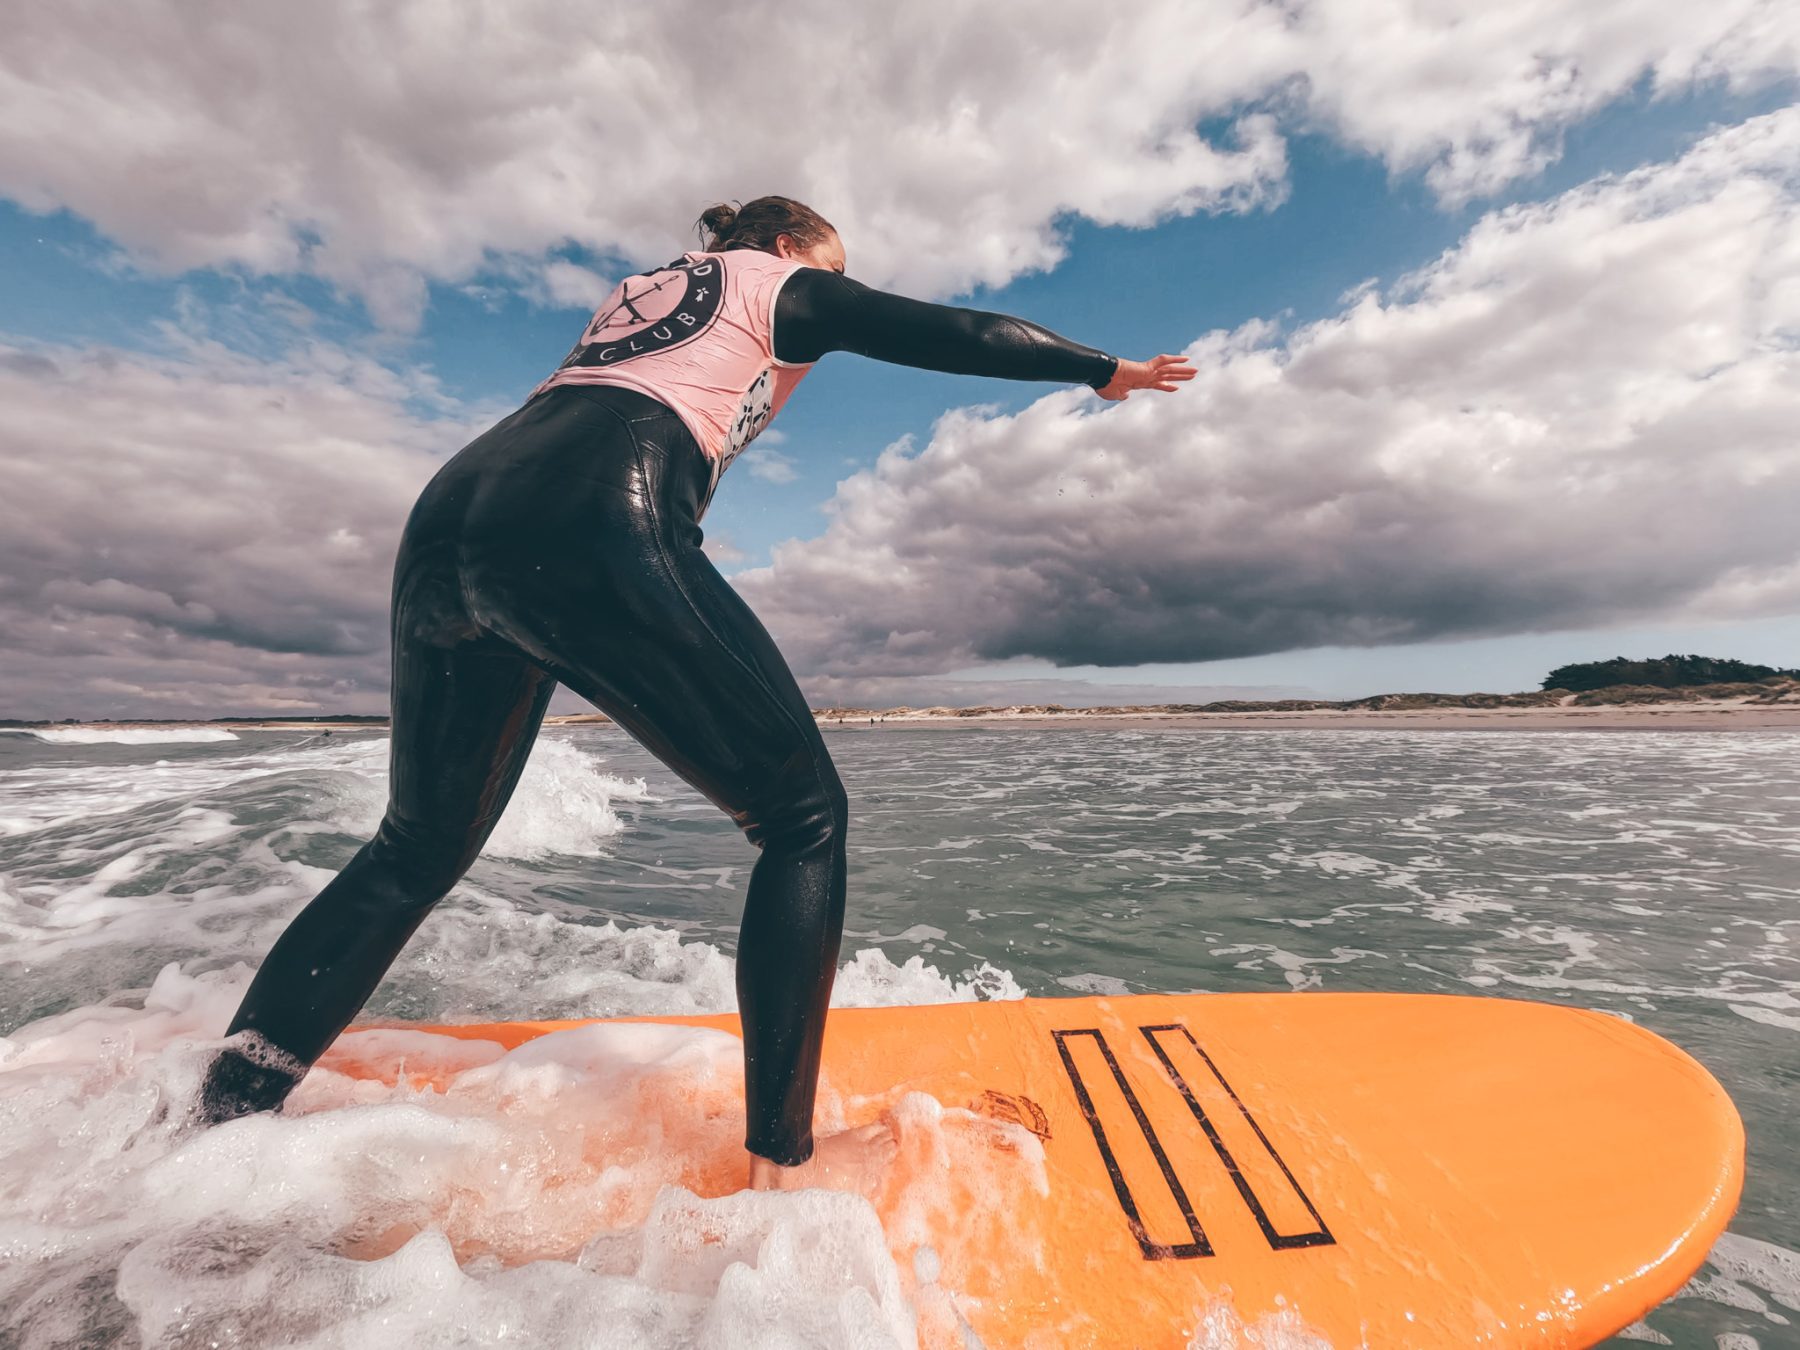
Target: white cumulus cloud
pixel 1583 413
pixel 770 465
pixel 382 146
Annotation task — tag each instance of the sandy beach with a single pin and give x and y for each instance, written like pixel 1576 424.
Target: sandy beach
pixel 1684 717
pixel 1701 715
pixel 1763 705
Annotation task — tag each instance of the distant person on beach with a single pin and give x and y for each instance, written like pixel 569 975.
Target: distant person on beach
pixel 563 546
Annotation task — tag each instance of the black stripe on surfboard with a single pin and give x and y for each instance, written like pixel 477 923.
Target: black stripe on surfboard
pixel 1321 1236
pixel 1152 1250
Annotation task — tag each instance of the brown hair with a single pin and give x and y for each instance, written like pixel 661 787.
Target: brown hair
pixel 757 224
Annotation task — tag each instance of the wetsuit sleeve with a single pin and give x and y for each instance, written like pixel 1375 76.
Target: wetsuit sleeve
pixel 819 311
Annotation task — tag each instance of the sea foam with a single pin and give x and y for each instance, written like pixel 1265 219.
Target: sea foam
pixel 128 735
pixel 583 1189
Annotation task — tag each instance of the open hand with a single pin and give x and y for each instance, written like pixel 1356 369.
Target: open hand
pixel 1159 372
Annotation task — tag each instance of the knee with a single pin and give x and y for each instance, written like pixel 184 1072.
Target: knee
pixel 806 813
pixel 411 869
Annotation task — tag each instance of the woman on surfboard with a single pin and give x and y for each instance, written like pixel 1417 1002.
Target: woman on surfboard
pixel 563 546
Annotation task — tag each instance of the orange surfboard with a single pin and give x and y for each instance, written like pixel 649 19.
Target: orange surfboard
pixel 1363 1169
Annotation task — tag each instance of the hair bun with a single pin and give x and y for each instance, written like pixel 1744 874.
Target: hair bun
pixel 719 218
pixel 759 224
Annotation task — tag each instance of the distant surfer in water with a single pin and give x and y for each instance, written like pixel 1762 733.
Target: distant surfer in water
pixel 563 546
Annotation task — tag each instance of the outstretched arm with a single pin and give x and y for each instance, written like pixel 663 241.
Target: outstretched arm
pixel 821 311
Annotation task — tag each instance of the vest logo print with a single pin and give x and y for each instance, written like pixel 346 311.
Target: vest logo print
pixel 651 312
pixel 752 416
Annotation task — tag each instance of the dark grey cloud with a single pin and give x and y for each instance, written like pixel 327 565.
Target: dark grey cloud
pixel 1583 414
pixel 202 532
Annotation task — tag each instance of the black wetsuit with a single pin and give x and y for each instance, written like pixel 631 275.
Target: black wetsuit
pixel 562 546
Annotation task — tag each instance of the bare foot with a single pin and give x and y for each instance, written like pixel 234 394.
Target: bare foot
pixel 853 1160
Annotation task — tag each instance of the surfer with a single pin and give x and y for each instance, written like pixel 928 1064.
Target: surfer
pixel 563 545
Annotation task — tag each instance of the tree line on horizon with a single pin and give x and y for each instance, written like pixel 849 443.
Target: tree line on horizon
pixel 1663 672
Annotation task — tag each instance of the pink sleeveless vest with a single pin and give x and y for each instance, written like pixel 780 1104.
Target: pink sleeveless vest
pixel 698 336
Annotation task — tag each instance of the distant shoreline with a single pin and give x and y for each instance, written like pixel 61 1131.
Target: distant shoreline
pixel 1728 708
pixel 1640 718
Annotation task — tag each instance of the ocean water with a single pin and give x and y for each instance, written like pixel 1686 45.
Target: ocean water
pixel 1653 874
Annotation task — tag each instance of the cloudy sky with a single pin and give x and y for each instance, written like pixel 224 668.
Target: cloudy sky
pixel 1495 312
